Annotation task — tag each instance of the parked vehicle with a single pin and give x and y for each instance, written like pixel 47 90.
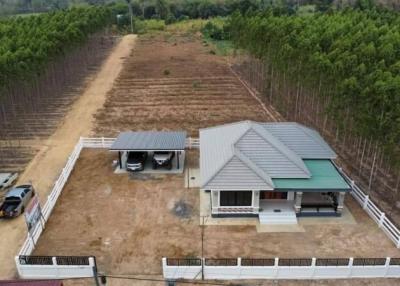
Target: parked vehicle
pixel 16 200
pixel 7 179
pixel 163 159
pixel 136 161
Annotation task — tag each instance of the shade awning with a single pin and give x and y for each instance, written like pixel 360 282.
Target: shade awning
pixel 150 141
pixel 324 177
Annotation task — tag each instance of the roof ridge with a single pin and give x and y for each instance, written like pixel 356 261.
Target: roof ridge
pixel 226 124
pixel 260 172
pixel 323 144
pixel 232 149
pixel 282 148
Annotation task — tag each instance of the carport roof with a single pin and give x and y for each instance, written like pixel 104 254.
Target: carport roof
pixel 150 141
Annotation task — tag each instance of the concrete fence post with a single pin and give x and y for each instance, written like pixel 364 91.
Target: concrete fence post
pixel 313 264
pixel 351 259
pixel 239 267
pixel 54 260
pixel 382 219
pixel 387 265
pixel 102 142
pixel 276 267
pixel 18 264
pixel 366 200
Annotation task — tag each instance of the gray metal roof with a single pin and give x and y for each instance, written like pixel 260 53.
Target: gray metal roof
pixel 149 140
pixel 269 150
pixel 304 141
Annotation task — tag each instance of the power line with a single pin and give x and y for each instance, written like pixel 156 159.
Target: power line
pixel 161 280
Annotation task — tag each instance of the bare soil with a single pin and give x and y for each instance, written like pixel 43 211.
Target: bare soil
pixel 175 84
pixel 129 224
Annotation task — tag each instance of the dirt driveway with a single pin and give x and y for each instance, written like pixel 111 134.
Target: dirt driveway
pixel 130 222
pixel 43 170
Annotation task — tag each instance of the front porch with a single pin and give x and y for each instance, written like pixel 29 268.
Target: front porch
pixel 269 204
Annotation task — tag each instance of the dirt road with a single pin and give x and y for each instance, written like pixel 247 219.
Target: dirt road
pixel 47 164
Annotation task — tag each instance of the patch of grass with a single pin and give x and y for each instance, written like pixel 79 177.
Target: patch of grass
pixel 148 26
pixel 187 26
pixel 195 84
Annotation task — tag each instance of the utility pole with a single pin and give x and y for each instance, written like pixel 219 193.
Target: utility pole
pixel 130 13
pixel 202 248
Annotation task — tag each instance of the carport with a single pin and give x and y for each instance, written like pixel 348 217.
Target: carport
pixel 150 142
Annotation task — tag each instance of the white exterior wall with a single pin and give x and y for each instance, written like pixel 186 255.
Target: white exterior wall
pixel 290 196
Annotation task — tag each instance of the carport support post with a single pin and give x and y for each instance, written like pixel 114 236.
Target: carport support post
pixel 120 160
pixel 177 159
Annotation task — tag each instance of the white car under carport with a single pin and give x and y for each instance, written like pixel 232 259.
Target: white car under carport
pixel 152 142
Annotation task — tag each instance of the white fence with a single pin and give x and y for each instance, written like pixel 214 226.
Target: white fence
pixel 54 269
pixel 26 271
pixel 374 212
pixel 275 270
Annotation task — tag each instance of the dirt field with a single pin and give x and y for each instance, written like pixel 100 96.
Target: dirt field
pixel 130 222
pixel 173 82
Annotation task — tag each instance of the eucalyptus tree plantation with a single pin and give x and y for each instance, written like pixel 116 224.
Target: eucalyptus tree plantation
pixel 42 58
pixel 339 72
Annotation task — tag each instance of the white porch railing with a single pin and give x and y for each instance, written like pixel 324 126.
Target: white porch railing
pixel 235 210
pixel 277 268
pixel 374 212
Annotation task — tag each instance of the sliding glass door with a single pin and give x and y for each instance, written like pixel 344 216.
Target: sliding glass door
pixel 235 198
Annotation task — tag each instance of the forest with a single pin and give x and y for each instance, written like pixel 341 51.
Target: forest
pixel 43 58
pixel 352 57
pixel 337 72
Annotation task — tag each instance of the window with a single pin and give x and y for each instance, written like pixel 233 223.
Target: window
pixel 235 198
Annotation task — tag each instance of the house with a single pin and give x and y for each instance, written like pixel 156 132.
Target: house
pixel 270 170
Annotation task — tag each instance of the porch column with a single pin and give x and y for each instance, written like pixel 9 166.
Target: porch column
pixel 340 201
pixel 256 201
pixel 297 205
pixel 214 201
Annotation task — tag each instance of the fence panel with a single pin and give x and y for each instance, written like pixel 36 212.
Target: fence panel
pixel 373 210
pixel 306 268
pixel 46 267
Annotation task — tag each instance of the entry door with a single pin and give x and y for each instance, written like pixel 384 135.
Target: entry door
pixel 273 195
